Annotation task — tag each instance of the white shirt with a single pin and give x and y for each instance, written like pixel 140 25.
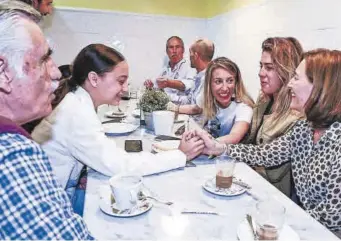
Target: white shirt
pixel 226 118
pixel 183 72
pixel 196 97
pixel 197 93
pixel 233 113
pixel 78 139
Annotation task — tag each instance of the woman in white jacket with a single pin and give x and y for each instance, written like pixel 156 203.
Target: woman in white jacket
pixel 72 135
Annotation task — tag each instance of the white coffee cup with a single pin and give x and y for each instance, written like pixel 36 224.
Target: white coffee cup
pixel 125 189
pixel 163 122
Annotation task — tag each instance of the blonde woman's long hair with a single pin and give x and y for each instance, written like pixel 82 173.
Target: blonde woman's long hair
pixel 286 54
pixel 240 95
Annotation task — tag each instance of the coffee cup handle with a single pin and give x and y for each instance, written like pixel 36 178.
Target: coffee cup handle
pixel 133 196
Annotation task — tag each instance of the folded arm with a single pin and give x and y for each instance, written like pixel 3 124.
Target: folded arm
pixel 190 109
pixel 236 134
pixel 240 126
pixel 170 83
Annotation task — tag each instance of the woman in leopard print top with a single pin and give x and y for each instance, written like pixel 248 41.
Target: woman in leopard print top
pixel 314 145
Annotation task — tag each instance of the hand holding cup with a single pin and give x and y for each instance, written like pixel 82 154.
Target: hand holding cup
pixel 162 82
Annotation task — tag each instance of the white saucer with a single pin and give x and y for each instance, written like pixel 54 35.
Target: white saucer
pixel 106 207
pixel 112 129
pixel 136 113
pixel 114 114
pixel 168 145
pixel 244 233
pixel 234 190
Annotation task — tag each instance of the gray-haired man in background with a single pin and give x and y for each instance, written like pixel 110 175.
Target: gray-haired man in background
pixel 176 77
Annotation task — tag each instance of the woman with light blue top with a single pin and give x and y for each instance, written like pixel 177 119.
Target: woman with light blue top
pixel 227 106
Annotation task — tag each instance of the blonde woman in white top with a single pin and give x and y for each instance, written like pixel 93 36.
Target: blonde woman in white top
pixel 227 107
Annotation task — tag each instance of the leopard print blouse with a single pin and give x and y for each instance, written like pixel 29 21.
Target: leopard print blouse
pixel 316 167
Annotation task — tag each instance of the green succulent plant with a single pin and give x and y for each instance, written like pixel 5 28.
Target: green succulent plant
pixel 153 100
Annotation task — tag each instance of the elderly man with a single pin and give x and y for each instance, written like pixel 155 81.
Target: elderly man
pixel 32 204
pixel 201 54
pixel 43 6
pixel 177 76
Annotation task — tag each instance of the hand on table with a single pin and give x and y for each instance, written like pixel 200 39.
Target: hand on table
pixel 191 145
pixel 172 107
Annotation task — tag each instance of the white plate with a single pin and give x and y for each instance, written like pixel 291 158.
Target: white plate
pixel 234 190
pixel 181 118
pixel 244 233
pixel 162 146
pixel 136 113
pixel 114 114
pixel 118 128
pixel 105 205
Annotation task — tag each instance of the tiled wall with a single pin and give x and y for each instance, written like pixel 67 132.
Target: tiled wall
pixel 238 34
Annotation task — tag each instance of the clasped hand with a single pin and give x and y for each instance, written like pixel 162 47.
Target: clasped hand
pixel 162 82
pixel 195 143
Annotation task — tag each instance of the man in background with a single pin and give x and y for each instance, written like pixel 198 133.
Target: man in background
pixel 32 204
pixel 45 7
pixel 177 76
pixel 201 54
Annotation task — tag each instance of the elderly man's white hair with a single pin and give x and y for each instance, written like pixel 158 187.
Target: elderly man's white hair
pixel 15 40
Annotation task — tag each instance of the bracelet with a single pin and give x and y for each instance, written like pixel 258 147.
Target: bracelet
pixel 218 149
pixel 226 150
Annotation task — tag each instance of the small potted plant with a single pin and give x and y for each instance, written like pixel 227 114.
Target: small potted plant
pixel 152 100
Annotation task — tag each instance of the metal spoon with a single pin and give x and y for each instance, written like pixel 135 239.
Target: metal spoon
pixel 144 197
pixel 249 220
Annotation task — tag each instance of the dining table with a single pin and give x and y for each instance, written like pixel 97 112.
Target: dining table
pixel 194 213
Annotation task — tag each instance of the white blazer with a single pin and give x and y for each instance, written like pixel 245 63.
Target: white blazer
pixel 76 138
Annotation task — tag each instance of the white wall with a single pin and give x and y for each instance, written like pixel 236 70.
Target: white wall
pixel 144 36
pixel 238 34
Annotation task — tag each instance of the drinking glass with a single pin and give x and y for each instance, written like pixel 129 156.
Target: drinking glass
pixel 269 218
pixel 224 171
